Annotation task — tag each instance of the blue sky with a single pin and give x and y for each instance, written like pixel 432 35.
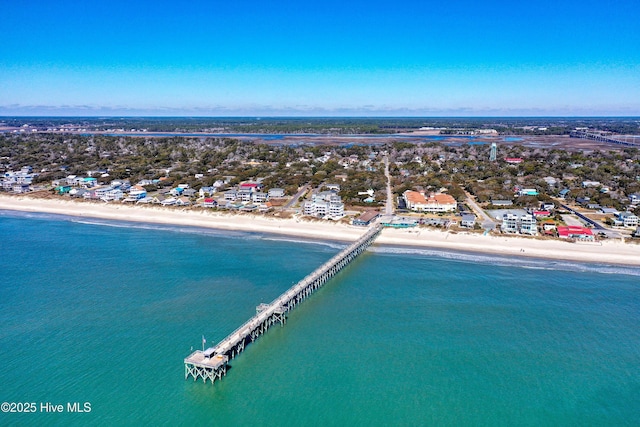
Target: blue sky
pixel 328 58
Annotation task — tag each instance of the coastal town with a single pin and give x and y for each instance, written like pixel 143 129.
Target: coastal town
pixel 560 187
pixel 266 213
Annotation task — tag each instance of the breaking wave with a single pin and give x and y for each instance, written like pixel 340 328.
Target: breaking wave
pixel 504 261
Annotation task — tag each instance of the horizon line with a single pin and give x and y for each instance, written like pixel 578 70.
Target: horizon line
pixel 257 116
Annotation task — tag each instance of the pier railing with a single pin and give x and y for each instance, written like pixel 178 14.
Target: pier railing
pixel 212 362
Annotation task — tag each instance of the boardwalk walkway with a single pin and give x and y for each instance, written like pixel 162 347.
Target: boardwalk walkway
pixel 211 364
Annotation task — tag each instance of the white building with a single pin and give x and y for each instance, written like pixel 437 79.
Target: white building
pixel 324 204
pixel 528 225
pixel 628 219
pixel 509 223
pixel 336 209
pixel 436 202
pixel 137 192
pixel 260 197
pixel 525 224
pixel 113 194
pixel 276 193
pixel 244 195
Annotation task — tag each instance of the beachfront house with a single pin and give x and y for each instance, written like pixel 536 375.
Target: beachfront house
pixel 309 208
pixel 231 195
pixel 336 209
pixel 259 197
pixel 548 227
pixel 145 200
pixel 366 218
pixel 101 192
pixel 436 222
pixel 509 223
pixel 525 224
pixel 436 202
pixel 183 201
pixel 399 222
pixel 158 199
pixel 265 207
pixel 575 232
pixel 209 203
pixel 78 192
pixel 113 195
pixel 275 193
pixel 528 225
pixel 19 182
pixel 244 194
pixel 137 192
pixel 468 221
pixel 627 219
pixel 63 189
pixel 21 188
pixel 324 204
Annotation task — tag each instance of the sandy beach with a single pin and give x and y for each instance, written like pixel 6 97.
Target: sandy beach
pixel 607 252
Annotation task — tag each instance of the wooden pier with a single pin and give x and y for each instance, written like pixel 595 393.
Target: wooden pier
pixel 211 364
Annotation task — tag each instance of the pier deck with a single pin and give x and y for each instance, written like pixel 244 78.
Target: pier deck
pixel 212 362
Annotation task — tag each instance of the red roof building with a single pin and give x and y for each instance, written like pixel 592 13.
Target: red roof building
pixel 513 160
pixel 575 232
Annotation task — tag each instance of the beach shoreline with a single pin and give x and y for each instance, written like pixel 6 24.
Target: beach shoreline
pixel 604 252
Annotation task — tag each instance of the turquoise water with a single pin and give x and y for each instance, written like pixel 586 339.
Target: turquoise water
pixel 105 313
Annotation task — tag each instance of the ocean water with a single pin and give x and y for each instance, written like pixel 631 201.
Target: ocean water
pixel 104 313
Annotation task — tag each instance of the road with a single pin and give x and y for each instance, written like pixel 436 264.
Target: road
pixel 389 206
pixel 595 224
pixel 297 196
pixel 487 221
pixel 612 234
